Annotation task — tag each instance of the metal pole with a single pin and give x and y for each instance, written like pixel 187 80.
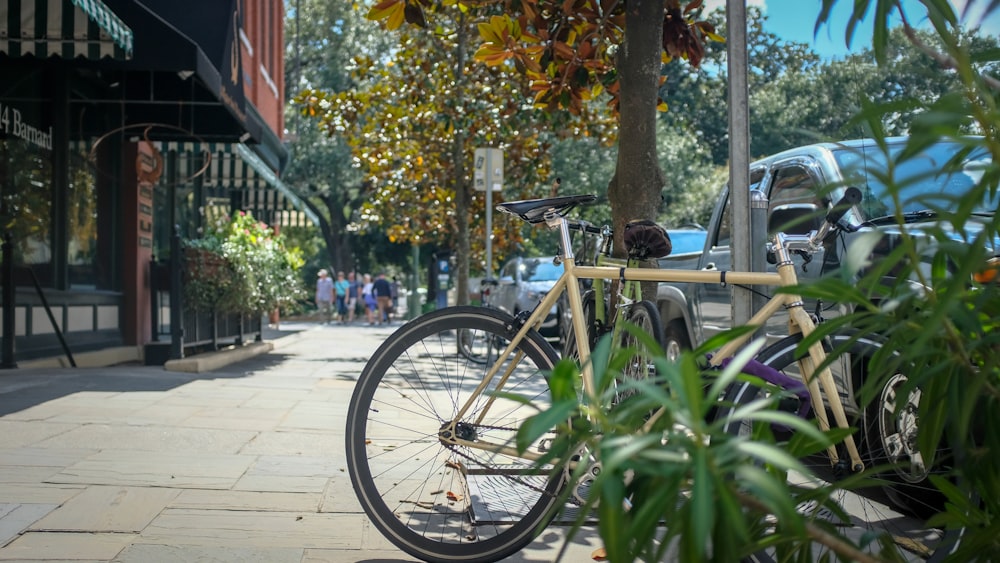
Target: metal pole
pixel 9 305
pixel 739 151
pixel 413 304
pixel 489 214
pixel 176 296
pixel 758 242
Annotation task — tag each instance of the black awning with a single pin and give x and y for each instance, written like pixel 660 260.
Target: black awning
pixel 63 28
pixel 185 74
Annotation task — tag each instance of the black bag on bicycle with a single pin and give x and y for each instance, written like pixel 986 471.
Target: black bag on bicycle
pixel 645 240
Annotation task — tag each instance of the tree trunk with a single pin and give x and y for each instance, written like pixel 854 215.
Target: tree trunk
pixel 634 191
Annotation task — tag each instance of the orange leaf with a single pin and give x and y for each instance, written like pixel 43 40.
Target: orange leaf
pixel 599 554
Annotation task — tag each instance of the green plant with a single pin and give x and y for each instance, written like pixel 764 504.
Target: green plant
pixel 241 265
pixel 682 487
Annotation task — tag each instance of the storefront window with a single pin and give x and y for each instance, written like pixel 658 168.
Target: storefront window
pixel 82 217
pixel 26 199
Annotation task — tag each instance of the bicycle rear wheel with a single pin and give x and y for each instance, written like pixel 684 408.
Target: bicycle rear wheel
pixel 432 499
pixel 895 506
pixel 644 315
pixel 477 346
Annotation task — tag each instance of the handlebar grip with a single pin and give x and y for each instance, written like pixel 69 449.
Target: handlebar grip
pixel 852 196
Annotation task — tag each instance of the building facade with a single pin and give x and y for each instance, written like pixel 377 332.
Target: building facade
pixel 125 123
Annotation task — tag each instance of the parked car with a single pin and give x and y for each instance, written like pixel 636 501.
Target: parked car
pixel 523 282
pixel 794 182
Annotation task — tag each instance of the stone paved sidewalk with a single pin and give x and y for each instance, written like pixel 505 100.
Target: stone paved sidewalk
pixel 244 463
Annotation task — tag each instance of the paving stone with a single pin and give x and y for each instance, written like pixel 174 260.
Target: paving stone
pixel 315 416
pixel 44 457
pixel 145 553
pixel 65 546
pixel 288 442
pixel 339 496
pixel 156 469
pixel 41 493
pixel 247 500
pixel 27 474
pixel 151 438
pixel 242 414
pixel 16 518
pixel 161 415
pixel 20 433
pixel 254 529
pixel 108 509
pixel 351 556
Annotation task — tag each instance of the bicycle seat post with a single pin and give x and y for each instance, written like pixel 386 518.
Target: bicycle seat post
pixel 557 221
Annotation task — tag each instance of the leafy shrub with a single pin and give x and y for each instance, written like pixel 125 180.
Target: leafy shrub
pixel 241 265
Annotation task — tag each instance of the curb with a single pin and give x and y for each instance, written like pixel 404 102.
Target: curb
pixel 200 363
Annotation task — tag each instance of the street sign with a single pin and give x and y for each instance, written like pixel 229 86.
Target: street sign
pixel 488 170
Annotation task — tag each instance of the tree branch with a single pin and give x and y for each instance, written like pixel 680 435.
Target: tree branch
pixel 942 59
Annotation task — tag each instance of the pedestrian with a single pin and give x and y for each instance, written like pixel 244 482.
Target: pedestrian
pixel 383 296
pixel 368 296
pixel 324 296
pixel 341 286
pixel 353 291
pixel 395 294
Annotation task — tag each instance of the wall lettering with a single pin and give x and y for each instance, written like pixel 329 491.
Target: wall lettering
pixel 12 123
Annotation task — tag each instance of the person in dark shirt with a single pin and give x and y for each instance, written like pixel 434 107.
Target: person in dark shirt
pixel 383 296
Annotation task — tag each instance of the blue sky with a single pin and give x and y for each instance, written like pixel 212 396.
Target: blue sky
pixel 794 20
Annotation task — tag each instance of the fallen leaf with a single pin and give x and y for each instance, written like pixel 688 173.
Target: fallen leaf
pixel 599 554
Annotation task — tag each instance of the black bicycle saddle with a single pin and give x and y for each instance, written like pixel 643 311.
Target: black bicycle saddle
pixel 533 210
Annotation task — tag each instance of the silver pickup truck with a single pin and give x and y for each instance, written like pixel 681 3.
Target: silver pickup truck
pixel 801 182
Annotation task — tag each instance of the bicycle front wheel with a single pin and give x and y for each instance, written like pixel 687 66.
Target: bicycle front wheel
pixel 898 499
pixel 433 499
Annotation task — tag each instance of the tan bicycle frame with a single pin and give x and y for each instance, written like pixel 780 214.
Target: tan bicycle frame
pixel 799 322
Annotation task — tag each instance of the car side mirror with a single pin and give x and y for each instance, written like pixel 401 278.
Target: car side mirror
pixel 794 219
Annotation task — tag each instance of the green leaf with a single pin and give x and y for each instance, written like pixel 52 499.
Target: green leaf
pixel 538 425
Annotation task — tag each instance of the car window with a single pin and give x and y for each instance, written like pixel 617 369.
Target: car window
pixel 793 184
pixel 935 177
pixel 507 273
pixel 539 270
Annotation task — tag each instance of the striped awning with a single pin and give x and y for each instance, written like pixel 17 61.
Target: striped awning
pixel 234 169
pixel 63 28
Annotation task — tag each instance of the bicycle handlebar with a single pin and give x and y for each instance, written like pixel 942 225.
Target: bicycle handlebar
pixel 813 241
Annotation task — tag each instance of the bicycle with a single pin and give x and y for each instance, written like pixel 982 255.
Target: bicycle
pixel 475 345
pixel 432 437
pixel 608 313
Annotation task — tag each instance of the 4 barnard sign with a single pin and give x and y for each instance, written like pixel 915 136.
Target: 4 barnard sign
pixel 12 123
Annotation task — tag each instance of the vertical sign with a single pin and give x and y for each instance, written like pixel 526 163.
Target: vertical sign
pixel 487 176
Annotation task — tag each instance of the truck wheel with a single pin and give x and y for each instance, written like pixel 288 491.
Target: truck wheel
pixel 675 339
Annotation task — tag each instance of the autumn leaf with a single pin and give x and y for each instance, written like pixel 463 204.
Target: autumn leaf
pixel 393 12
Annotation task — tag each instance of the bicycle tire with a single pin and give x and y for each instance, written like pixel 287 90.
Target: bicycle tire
pixel 441 503
pixel 644 315
pixel 476 346
pixel 879 509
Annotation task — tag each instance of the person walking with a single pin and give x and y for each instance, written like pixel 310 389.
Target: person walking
pixel 324 296
pixel 353 292
pixel 341 286
pixel 383 296
pixel 368 295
